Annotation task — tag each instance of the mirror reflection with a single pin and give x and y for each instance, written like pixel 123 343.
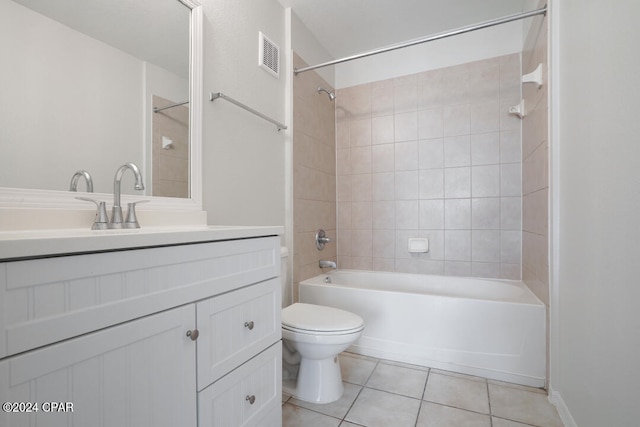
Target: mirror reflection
pixel 79 84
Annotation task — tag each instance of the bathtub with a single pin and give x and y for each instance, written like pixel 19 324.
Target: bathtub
pixel 485 327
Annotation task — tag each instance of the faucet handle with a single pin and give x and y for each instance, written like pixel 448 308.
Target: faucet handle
pixel 132 220
pixel 101 222
pixel 321 239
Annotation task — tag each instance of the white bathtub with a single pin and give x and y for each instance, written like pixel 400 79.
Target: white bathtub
pixel 485 327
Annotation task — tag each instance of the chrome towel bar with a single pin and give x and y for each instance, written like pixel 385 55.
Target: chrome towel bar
pixel 213 96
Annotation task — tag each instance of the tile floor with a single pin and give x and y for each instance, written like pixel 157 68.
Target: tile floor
pixel 381 393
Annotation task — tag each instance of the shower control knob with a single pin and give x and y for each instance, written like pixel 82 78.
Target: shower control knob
pixel 321 239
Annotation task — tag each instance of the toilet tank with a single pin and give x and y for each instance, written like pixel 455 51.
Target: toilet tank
pixel 285 282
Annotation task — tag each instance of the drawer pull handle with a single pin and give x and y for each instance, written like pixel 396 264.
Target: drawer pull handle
pixel 251 399
pixel 249 325
pixel 193 334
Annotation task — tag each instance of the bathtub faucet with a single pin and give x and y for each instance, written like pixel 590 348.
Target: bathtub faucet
pixel 321 239
pixel 324 263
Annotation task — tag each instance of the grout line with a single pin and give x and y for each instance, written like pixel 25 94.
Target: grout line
pixel 424 391
pixel 362 386
pixel 489 399
pixel 344 418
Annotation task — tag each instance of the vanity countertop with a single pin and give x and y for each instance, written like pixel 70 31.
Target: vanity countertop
pixel 15 245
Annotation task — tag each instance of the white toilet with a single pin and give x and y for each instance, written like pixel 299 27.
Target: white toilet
pixel 314 335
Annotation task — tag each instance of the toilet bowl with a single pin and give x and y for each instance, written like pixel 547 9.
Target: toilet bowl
pixel 318 334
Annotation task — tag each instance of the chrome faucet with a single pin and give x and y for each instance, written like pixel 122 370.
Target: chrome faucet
pixel 324 263
pixel 116 212
pixel 73 186
pixel 321 239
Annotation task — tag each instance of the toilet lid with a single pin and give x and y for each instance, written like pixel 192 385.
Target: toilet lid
pixel 319 318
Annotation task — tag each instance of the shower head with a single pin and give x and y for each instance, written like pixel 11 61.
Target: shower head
pixel 332 95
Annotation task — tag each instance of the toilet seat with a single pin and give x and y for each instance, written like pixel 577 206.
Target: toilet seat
pixel 320 320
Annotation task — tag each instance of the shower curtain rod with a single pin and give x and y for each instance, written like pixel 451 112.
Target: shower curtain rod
pixel 462 30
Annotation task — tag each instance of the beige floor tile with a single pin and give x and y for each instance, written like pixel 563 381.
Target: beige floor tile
pixel 499 422
pixel 405 365
pixel 356 370
pixel 336 409
pixel 434 415
pixel 458 392
pixel 456 374
pixel 518 386
pixel 294 416
pixel 374 408
pixel 398 380
pixel 523 406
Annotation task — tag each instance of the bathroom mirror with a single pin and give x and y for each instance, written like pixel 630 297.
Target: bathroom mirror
pixel 80 81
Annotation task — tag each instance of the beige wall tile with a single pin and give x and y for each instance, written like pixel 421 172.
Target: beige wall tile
pixel 382 129
pixel 360 160
pixel 457 120
pixel 431 153
pixel 383 215
pixel 431 184
pixel 360 132
pixel 420 147
pixel 381 100
pixel 406 127
pixel 457 151
pixel 361 216
pixel 318 130
pixel 431 123
pixel 406 156
pixel 383 186
pixel 383 158
pixel 405 97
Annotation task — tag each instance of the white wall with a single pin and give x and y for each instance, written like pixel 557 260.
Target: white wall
pixel 598 218
pixel 482 44
pixel 309 48
pixel 243 155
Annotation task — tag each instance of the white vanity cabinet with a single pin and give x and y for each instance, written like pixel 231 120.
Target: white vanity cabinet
pixel 140 373
pixel 112 334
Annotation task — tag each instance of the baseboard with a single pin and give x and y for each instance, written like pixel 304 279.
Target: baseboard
pixel 565 415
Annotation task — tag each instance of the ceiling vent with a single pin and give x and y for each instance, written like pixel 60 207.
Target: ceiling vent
pixel 269 56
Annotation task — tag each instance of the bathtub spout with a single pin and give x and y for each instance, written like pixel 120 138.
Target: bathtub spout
pixel 327 264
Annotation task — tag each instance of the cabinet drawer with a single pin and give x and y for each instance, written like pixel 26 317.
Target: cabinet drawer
pixel 43 301
pixel 248 396
pixel 236 326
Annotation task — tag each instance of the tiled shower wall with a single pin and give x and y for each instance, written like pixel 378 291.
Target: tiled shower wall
pixel 314 172
pixel 170 166
pixel 535 179
pixel 435 155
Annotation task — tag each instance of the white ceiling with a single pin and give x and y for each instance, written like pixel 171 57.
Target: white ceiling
pixel 347 27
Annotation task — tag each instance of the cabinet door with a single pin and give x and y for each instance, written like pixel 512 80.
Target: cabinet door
pixel 246 397
pixel 236 326
pixel 138 374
